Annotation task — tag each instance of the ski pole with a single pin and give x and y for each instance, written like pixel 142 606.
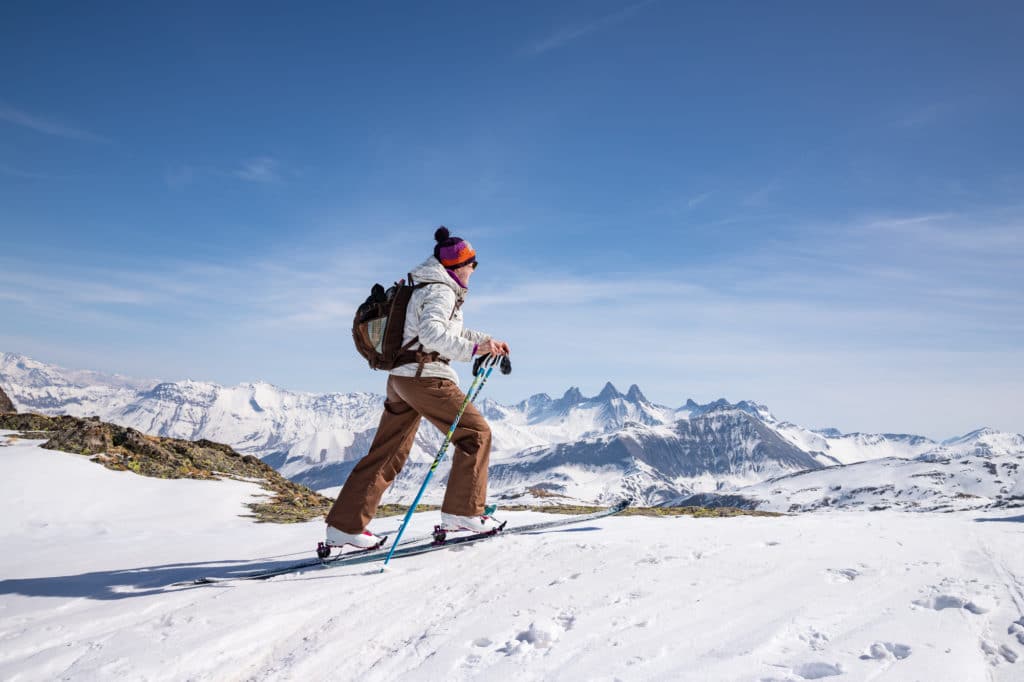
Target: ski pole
pixel 474 389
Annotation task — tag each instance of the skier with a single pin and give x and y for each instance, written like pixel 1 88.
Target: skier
pixel 426 388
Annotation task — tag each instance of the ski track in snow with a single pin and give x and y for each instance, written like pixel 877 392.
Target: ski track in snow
pixel 824 596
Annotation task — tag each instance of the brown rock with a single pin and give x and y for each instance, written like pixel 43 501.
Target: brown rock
pixel 5 403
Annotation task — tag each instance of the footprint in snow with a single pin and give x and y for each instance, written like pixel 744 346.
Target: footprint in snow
pixel 997 653
pixel 470 663
pixel 814 639
pixel 539 636
pixel 1017 630
pixel 950 601
pixel 842 575
pixel 559 581
pixel 816 671
pixel 886 651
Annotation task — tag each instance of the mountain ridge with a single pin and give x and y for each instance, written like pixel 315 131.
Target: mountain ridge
pixel 651 450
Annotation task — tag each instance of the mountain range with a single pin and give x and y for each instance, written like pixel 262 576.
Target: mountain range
pixel 574 447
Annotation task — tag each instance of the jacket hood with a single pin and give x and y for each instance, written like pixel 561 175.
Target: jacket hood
pixel 431 270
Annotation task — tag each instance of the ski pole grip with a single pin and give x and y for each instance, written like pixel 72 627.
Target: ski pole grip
pixel 485 360
pixel 478 362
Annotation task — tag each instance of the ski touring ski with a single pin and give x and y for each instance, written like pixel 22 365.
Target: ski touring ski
pixel 322 560
pixel 439 540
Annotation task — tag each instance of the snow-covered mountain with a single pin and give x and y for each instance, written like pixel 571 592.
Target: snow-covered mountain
pixel 254 418
pixel 983 469
pixel 592 448
pixel 584 447
pixel 844 448
pixel 719 448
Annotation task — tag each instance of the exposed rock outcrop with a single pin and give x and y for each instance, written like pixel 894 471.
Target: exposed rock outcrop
pixel 120 448
pixel 5 403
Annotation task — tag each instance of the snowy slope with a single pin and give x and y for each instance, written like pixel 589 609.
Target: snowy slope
pixel 846 448
pixel 986 470
pixel 88 552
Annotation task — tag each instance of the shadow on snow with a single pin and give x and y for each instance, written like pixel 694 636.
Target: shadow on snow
pixel 149 580
pixel 133 582
pixel 1003 519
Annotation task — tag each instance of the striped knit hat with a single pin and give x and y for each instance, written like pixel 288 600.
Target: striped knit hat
pixel 452 251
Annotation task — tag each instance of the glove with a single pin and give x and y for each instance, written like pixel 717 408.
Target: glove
pixel 504 364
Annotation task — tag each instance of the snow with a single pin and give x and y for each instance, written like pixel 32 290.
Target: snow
pixel 845 596
pixel 855 447
pixel 948 478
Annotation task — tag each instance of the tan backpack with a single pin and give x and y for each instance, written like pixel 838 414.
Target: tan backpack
pixel 379 326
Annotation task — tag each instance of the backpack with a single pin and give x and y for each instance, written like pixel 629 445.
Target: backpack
pixel 379 325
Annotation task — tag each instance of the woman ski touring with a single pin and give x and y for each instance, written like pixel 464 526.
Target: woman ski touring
pixel 426 387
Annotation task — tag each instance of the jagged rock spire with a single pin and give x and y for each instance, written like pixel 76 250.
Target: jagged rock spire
pixel 636 395
pixel 572 395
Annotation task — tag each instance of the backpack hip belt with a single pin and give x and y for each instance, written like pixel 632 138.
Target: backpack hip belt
pixel 420 358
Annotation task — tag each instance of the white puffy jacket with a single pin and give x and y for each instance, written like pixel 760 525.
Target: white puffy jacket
pixel 429 316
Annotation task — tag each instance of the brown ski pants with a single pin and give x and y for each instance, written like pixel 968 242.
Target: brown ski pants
pixel 409 399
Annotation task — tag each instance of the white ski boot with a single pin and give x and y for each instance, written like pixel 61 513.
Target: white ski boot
pixel 476 524
pixel 364 540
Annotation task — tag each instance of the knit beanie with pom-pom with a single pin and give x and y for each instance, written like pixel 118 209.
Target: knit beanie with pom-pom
pixel 452 251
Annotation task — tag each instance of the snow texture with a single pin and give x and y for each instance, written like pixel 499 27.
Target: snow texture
pixel 88 553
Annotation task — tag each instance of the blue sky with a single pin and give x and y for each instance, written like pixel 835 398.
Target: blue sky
pixel 816 207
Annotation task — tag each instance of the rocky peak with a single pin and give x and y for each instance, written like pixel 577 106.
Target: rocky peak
pixel 608 392
pixel 636 395
pixel 573 395
pixel 536 400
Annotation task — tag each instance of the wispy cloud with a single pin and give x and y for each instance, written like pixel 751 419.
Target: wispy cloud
pixel 871 324
pixel 313 292
pixel 877 319
pixel 925 115
pixel 996 239
pixel 694 202
pixel 261 169
pixel 566 35
pixel 46 126
pixel 762 193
